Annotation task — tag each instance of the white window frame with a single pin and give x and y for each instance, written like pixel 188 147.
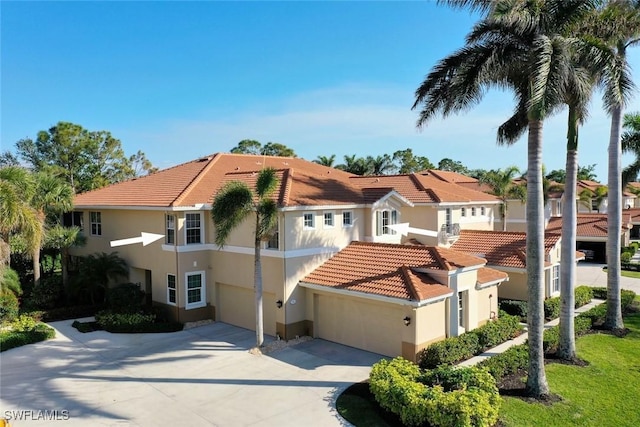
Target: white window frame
pixel 483 211
pixel 350 223
pixel 463 212
pixel 203 290
pixel 473 211
pixel 168 228
pixel 312 217
pixel 95 221
pixel 392 218
pixel 330 215
pixel 461 310
pixel 186 228
pixel 174 289
pixel 274 240
pixel 554 284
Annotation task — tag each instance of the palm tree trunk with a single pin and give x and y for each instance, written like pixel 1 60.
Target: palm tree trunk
pixel 64 261
pixel 567 345
pixel 614 213
pixel 504 215
pixel 36 267
pixel 257 278
pixel 536 380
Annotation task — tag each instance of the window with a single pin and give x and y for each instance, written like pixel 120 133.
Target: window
pixel 347 219
pixel 96 223
pixel 555 279
pixel 274 242
pixel 473 211
pixel 463 211
pixel 482 211
pixel 193 228
pixel 328 219
pixel 195 290
pixel 170 232
pixel 72 219
pixel 171 289
pixel 461 310
pixel 307 220
pixel 447 218
pixel 384 219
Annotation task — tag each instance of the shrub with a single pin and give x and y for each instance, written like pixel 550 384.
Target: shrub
pixel 596 314
pixel 389 382
pixel 626 299
pixel 552 308
pixel 508 362
pixel 125 298
pixel 551 339
pixel 134 323
pixel 48 294
pixel 583 294
pixel 10 281
pixel 13 339
pixel 514 308
pixel 625 257
pixel 24 323
pixel 449 351
pixel 582 325
pixel 497 331
pixel 599 293
pixel 9 306
pixel 66 313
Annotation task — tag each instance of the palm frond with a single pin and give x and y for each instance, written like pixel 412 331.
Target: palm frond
pixel 231 206
pixel 267 210
pixel 266 183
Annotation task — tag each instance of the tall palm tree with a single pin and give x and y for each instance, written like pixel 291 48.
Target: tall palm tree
pixel 326 160
pixel 518 45
pixel 52 197
pixel 379 165
pixel 234 203
pixel 503 187
pixel 631 144
pixel 96 270
pixel 354 165
pixel 16 214
pixel 590 198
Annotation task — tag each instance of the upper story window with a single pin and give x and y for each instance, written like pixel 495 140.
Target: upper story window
pixel 73 219
pixel 447 216
pixel 170 229
pixel 308 221
pixel 193 228
pixel 95 218
pixel 328 219
pixel 347 218
pixel 463 211
pixel 274 240
pixel 384 219
pixel 473 211
pixel 482 210
pixel 171 289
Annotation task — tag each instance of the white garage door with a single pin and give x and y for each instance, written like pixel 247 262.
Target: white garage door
pixel 236 306
pixel 368 326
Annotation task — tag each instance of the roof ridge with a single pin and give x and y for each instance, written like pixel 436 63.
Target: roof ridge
pixel 444 264
pixel 404 271
pixel 287 178
pixel 195 180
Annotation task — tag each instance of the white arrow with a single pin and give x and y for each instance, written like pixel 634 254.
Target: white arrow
pixel 404 229
pixel 145 239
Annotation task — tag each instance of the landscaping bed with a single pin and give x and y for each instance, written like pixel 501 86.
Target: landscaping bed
pixel 22 331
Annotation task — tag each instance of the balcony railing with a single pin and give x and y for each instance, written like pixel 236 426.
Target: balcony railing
pixel 448 233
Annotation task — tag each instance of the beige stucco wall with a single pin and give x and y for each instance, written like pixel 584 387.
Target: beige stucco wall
pixel 487 303
pixel 516 216
pixel 295 237
pixel 515 288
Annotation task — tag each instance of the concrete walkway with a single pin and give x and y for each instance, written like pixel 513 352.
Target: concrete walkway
pixel 520 339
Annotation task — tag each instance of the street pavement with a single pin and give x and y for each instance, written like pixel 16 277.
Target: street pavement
pixel 593 275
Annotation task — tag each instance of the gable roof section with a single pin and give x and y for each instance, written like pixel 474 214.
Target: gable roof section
pixel 395 271
pixel 500 248
pixel 193 183
pixel 589 224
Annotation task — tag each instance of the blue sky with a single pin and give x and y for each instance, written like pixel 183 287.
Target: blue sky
pixel 179 80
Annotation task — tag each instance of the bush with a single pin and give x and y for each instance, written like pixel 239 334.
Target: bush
pixel 10 281
pixel 48 294
pixel 449 351
pixel 9 306
pixel 582 325
pixel 599 293
pixel 125 298
pixel 552 308
pixel 24 323
pixel 596 315
pixel 583 294
pixel 497 331
pixel 66 313
pixel 551 339
pixel 626 296
pixel 514 308
pixel 508 362
pixel 13 339
pixel 625 257
pixel 134 323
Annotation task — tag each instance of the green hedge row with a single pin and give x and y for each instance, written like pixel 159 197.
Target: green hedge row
pixel 134 323
pixel 455 349
pixel 465 397
pixel 13 339
pixel 583 295
pixel 66 313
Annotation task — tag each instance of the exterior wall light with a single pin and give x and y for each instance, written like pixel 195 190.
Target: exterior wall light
pixel 279 303
pixel 407 320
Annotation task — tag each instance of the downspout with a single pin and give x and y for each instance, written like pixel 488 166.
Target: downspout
pixel 175 248
pixel 284 266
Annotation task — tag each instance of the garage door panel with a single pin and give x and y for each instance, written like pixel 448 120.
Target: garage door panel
pixel 236 306
pixel 369 326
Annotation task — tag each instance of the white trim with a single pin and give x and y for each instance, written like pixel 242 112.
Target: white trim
pixel 175 289
pixel 98 223
pixel 313 221
pixel 321 207
pixel 491 283
pixel 145 208
pixel 268 253
pixel 374 297
pixel 203 290
pixel 324 219
pixel 350 225
pixel 199 213
pixel 390 194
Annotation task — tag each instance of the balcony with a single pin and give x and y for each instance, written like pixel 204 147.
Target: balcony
pixel 448 234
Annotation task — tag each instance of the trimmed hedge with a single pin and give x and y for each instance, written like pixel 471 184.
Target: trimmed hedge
pixel 465 397
pixel 13 339
pixel 455 349
pixel 626 296
pixel 508 362
pixel 9 306
pixel 583 295
pixel 514 308
pixel 552 308
pixel 134 323
pixel 66 313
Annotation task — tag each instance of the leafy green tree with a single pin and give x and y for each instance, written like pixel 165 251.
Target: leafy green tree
pixel 7 158
pixel 251 146
pixel 232 205
pixel 9 281
pixel 447 164
pixel 140 165
pixel 631 144
pixel 326 160
pixel 589 198
pixel 96 270
pixel 379 165
pixel 521 46
pixel 503 187
pixel 247 146
pixel 407 162
pixel 355 165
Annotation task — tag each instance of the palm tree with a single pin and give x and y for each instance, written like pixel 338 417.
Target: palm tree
pixel 379 165
pixel 631 144
pixel 518 45
pixel 16 215
pixel 503 187
pixel 231 206
pixel 52 197
pixel 96 270
pixel 590 198
pixel 326 160
pixel 63 238
pixel 354 165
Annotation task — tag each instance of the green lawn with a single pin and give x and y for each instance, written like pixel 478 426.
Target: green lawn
pixel 603 394
pixel 628 273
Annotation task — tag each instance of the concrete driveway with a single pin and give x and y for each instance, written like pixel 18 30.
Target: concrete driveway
pixel 199 377
pixel 593 275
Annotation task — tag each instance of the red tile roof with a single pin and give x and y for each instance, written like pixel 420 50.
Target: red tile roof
pixel 488 275
pixel 390 270
pixel 589 224
pixel 499 248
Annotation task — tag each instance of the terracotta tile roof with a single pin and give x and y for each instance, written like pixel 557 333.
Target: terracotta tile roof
pixel 633 213
pixel 488 275
pixel 423 188
pixel 500 248
pixel 589 224
pixel 390 270
pixel 448 176
pixel 193 183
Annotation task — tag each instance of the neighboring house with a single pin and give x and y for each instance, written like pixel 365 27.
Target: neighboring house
pixel 397 299
pixel 592 232
pixel 506 251
pixel 634 214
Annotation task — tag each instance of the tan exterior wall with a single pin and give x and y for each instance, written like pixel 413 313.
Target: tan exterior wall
pixel 296 237
pixel 516 216
pixel 487 300
pixel 515 288
pixel 430 326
